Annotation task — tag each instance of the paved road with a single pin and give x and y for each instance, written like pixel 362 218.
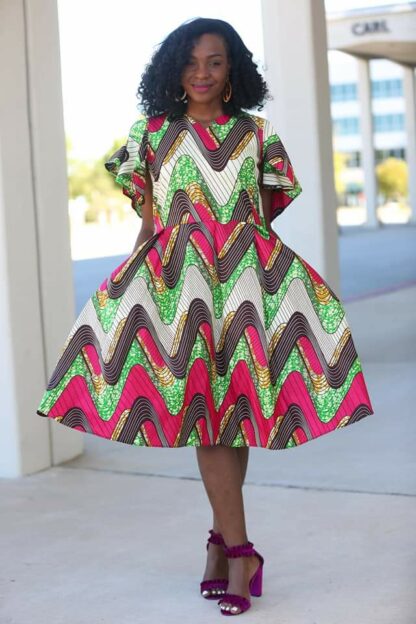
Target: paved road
pixel 370 262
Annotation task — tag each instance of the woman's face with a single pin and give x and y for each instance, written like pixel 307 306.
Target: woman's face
pixel 205 75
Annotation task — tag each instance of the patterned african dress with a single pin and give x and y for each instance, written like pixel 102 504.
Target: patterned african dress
pixel 212 331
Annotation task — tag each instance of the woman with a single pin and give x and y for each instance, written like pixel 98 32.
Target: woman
pixel 213 333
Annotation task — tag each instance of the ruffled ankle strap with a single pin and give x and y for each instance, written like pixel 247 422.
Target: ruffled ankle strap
pixel 215 538
pixel 240 550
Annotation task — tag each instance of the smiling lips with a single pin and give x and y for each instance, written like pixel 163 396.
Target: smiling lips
pixel 202 87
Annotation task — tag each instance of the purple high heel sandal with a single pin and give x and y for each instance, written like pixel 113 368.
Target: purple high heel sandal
pixel 212 588
pixel 239 604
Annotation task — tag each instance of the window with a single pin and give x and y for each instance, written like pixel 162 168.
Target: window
pixel 388 123
pixel 354 159
pixel 343 92
pixel 398 152
pixel 346 125
pixel 389 88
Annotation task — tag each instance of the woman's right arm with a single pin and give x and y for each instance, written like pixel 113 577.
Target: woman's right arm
pixel 147 228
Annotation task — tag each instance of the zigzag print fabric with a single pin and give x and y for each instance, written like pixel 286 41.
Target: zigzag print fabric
pixel 212 331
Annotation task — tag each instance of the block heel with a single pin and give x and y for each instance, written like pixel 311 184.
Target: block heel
pixel 239 604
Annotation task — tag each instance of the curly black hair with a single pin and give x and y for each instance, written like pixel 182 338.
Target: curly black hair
pixel 161 81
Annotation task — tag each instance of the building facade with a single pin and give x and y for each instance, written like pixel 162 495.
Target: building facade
pixel 372 59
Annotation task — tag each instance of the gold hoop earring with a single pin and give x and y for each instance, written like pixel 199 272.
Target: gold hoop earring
pixel 227 96
pixel 182 98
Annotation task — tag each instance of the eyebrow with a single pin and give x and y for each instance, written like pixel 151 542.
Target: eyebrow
pixel 215 54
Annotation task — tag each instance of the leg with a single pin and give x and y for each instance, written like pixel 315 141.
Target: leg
pixel 217 563
pixel 242 454
pixel 222 472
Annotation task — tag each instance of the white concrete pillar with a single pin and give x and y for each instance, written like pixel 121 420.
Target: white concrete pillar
pixel 296 71
pixel 410 125
pixel 37 300
pixel 368 154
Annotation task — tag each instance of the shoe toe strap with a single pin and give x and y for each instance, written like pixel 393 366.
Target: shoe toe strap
pixel 235 600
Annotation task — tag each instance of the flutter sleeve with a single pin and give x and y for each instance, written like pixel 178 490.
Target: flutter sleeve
pixel 128 164
pixel 276 171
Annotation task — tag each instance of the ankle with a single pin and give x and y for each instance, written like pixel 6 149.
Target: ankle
pixel 236 542
pixel 241 549
pixel 216 551
pixel 242 563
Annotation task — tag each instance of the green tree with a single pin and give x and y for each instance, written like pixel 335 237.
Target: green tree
pixel 90 179
pixel 392 175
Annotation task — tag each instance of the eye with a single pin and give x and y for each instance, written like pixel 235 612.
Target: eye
pixel 191 62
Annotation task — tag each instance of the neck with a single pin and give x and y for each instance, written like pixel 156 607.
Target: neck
pixel 204 113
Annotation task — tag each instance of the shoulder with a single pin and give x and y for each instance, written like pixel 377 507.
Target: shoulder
pixel 264 126
pixel 145 126
pixel 138 128
pixel 259 121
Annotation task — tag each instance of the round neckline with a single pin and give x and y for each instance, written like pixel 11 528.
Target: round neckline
pixel 219 120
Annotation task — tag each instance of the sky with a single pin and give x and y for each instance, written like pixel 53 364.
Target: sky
pixel 105 46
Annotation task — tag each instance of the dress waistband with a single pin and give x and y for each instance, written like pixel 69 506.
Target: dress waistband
pixel 159 227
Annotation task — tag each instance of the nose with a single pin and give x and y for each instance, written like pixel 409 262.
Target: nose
pixel 201 71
